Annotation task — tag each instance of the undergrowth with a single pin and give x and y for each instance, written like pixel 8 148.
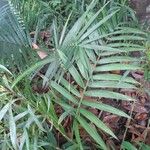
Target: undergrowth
pixel 58 102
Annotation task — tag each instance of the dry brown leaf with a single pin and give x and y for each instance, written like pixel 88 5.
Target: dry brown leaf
pixel 137 74
pixel 111 118
pixel 42 54
pixel 141 116
pixel 138 107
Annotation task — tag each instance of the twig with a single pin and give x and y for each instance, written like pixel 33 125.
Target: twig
pixel 128 122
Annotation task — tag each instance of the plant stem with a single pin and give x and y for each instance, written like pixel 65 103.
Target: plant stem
pixel 85 88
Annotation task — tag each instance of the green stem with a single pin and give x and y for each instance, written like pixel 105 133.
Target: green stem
pixel 85 88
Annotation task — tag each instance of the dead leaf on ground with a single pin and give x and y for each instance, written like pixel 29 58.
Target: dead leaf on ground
pixel 138 108
pixel 42 54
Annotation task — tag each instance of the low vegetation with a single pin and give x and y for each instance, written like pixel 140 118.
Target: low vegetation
pixel 74 75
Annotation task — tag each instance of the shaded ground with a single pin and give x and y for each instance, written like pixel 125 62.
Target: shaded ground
pixel 142 8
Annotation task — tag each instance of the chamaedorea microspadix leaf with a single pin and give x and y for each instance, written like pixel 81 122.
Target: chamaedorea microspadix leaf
pixel 3 68
pixel 105 107
pixel 12 127
pixel 73 32
pixel 108 94
pixel 4 110
pixel 111 84
pixel 92 132
pixel 77 133
pixel 96 26
pixel 115 59
pixel 64 92
pixel 31 69
pixel 116 66
pixel 94 119
pixel 113 77
pixel 70 87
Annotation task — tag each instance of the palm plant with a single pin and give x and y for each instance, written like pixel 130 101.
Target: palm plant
pixel 81 69
pixel 80 75
pixel 15 42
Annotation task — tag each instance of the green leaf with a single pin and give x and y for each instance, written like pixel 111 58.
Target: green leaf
pixel 62 117
pixel 38 123
pixel 55 33
pixel 92 132
pixel 114 59
pixel 111 84
pixel 144 146
pixel 31 69
pixel 69 87
pixel 64 92
pixel 75 74
pixel 62 56
pixel 127 146
pixel 22 140
pixel 91 20
pixel 83 70
pixel 27 139
pixel 12 127
pixel 21 115
pixel 130 30
pixel 64 105
pixel 91 55
pixel 4 110
pixel 94 119
pixel 108 94
pixel 35 145
pixel 126 37
pixel 132 49
pixel 50 72
pixel 77 134
pixel 105 107
pixel 5 69
pixel 101 48
pixel 114 77
pixel 93 28
pixel 125 44
pixel 83 59
pixel 95 38
pixel 64 30
pixel 72 147
pixel 112 67
pixel 71 36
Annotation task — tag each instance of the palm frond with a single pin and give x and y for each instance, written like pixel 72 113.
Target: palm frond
pixel 81 69
pixel 15 42
pixel 81 73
